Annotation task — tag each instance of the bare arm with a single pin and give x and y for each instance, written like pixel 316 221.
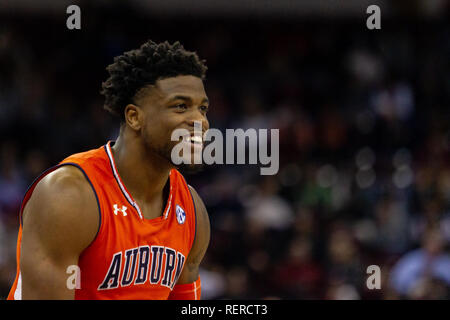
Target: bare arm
pixel 59 221
pixel 202 237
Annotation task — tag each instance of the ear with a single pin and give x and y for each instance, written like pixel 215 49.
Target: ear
pixel 134 117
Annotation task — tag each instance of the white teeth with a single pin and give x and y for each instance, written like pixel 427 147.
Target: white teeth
pixel 193 139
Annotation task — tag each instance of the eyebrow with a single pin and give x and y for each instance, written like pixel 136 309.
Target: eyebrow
pixel 181 97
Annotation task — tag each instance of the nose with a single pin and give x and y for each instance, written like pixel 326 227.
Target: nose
pixel 199 121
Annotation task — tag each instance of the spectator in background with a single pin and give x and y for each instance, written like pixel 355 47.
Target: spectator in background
pixel 298 275
pixel 267 209
pixel 344 264
pixel 12 182
pixel 425 272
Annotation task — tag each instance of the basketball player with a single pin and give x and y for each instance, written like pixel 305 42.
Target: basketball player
pixel 122 213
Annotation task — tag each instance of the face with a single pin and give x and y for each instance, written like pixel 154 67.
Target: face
pixel 172 103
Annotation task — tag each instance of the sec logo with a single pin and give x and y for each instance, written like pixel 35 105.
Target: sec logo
pixel 181 215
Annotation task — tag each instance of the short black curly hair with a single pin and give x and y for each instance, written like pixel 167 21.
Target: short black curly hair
pixel 138 68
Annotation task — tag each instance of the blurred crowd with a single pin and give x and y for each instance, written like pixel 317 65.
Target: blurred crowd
pixel 364 117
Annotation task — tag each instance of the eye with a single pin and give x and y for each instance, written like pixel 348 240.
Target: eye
pixel 180 107
pixel 204 108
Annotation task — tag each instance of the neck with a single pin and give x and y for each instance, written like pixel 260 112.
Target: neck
pixel 143 172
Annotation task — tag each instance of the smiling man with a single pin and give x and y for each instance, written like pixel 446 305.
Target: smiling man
pixel 122 213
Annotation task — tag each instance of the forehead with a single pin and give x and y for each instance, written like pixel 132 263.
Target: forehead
pixel 185 85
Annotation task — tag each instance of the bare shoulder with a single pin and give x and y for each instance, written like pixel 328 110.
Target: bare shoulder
pixel 203 228
pixel 59 221
pixel 63 207
pixel 202 236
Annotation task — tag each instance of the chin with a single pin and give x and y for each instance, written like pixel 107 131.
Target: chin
pixel 190 168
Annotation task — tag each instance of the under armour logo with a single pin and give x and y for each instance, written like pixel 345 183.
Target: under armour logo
pixel 123 210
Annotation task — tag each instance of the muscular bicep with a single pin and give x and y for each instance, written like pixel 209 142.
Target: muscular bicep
pixel 191 269
pixel 59 222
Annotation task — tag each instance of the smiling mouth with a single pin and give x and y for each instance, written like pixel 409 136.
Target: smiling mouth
pixel 197 140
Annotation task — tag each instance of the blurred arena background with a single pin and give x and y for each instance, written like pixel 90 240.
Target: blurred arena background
pixel 363 115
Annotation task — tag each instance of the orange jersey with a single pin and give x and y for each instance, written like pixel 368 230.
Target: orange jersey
pixel 131 257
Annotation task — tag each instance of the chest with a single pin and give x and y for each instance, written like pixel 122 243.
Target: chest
pixel 134 255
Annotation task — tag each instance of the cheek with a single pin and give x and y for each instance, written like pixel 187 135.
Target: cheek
pixel 158 132
pixel 151 132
